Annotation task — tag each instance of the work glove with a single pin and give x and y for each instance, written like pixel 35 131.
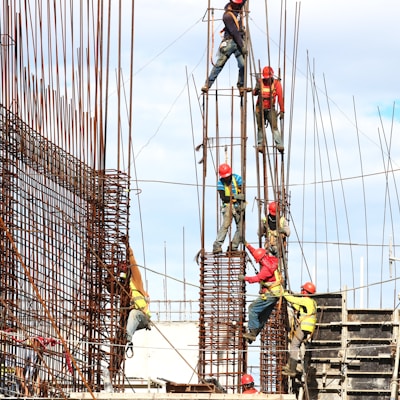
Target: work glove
pixel 239 197
pixel 241 277
pixel 281 114
pixel 244 51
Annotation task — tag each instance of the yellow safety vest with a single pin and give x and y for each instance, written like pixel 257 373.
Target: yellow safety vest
pixel 227 189
pixel 307 308
pixel 138 301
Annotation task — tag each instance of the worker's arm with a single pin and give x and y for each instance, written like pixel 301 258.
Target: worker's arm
pixel 284 226
pixel 295 300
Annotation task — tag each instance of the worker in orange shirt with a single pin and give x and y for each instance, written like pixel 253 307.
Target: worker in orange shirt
pixel 268 89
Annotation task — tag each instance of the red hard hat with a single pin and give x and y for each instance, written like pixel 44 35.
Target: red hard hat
pixel 272 208
pixel 309 287
pixel 224 170
pixel 268 72
pixel 247 379
pixel 259 254
pixel 237 1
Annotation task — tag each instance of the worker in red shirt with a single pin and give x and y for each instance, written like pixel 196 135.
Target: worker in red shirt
pixel 270 281
pixel 268 89
pixel 248 385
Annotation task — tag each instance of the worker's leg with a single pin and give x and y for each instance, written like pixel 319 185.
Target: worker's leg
pixel 240 63
pixel 224 52
pixel 226 223
pixel 238 236
pixel 259 311
pixel 260 130
pixel 290 368
pixel 273 120
pixel 133 324
pixel 269 305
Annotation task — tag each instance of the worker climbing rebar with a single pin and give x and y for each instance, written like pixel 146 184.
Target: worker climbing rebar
pixel 268 89
pixel 139 314
pixel 270 291
pixel 229 188
pixel 302 324
pixel 232 43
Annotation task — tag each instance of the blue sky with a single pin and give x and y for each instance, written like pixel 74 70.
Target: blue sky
pixel 346 89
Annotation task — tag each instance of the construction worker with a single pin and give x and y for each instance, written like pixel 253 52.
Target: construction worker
pixel 232 43
pixel 273 230
pixel 270 291
pixel 229 188
pixel 29 359
pixel 302 325
pixel 139 314
pixel 268 89
pixel 248 385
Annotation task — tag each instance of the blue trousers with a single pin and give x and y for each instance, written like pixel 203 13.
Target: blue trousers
pixel 260 309
pixel 136 320
pixel 226 49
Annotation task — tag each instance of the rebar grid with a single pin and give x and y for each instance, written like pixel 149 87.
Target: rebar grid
pixel 273 351
pixel 63 233
pixel 222 313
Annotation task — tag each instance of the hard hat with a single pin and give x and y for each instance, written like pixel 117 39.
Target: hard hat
pixel 259 254
pixel 268 72
pixel 272 208
pixel 237 1
pixel 309 287
pixel 247 379
pixel 224 170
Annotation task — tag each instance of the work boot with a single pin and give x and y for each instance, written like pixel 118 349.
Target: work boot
pixel 231 248
pixel 217 250
pixel 280 148
pixel 251 335
pixel 204 89
pixel 260 149
pixel 290 368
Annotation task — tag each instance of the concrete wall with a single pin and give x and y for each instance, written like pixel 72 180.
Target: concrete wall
pixel 169 351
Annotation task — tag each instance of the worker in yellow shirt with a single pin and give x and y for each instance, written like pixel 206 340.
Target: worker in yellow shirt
pixel 303 324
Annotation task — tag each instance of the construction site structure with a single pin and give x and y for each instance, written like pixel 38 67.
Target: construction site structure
pixel 64 216
pixel 64 225
pixel 223 305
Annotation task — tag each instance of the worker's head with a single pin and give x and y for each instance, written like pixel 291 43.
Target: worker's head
pixel 259 254
pixel 308 288
pixel 267 72
pixel 272 208
pixel 225 171
pixel 247 381
pixel 122 269
pixel 235 4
